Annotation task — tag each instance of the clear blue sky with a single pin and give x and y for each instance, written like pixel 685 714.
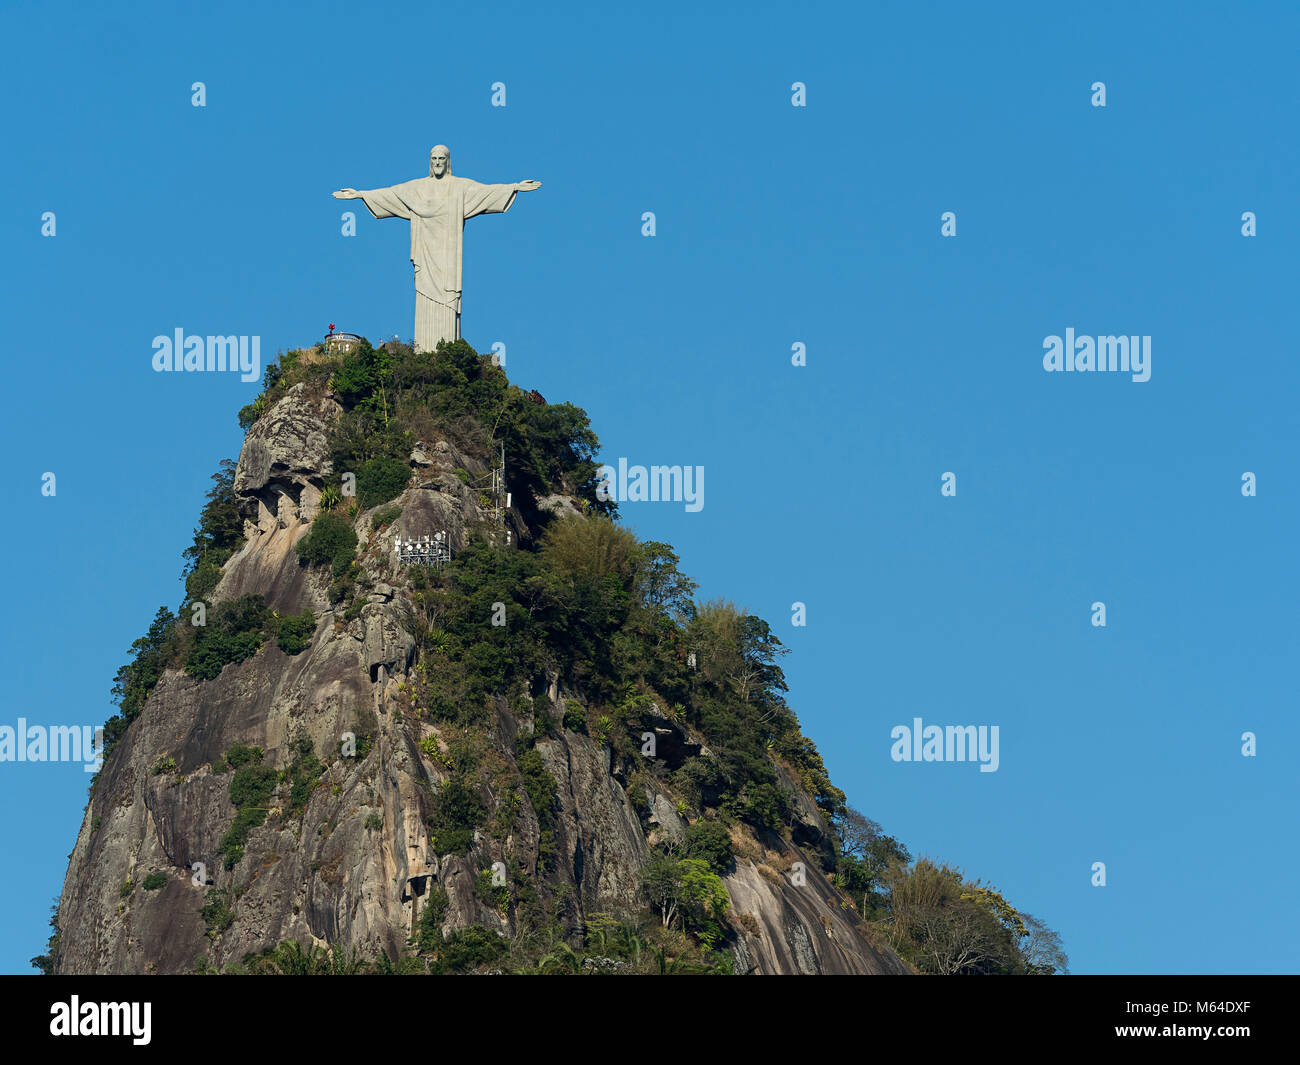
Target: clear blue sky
pixel 775 224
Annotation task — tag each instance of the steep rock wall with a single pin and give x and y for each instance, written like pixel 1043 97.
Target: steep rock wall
pixel 354 866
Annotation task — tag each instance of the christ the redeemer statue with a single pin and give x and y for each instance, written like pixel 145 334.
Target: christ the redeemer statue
pixel 437 207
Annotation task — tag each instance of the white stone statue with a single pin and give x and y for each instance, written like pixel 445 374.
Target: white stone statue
pixel 437 207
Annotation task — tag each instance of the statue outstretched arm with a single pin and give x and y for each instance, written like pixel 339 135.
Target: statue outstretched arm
pixel 391 202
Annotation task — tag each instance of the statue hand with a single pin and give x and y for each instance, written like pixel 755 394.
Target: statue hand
pixel 528 186
pixel 346 194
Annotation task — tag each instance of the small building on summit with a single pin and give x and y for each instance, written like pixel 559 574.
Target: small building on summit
pixel 340 343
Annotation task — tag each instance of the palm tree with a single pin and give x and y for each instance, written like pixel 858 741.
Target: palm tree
pixel 562 958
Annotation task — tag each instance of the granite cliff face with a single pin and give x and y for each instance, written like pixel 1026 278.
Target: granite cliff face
pixel 353 863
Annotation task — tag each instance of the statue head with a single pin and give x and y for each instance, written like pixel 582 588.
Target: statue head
pixel 439 160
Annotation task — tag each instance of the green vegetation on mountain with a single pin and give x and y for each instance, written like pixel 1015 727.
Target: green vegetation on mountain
pixel 584 607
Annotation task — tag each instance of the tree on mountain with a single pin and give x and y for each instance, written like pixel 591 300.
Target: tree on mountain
pixel 220 532
pixel 135 680
pixel 948 927
pixel 1042 950
pixel 866 853
pixel 687 889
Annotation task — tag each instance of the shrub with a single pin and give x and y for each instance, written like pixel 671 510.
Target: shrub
pixel 234 633
pixel 232 843
pixel 495 896
pixel 543 794
pixel 252 785
pixel 764 804
pixel 470 948
pixel 385 516
pixel 221 528
pixel 239 756
pixel 331 539
pixel 304 772
pixel 249 414
pixel 710 842
pixel 457 812
pixel 575 718
pixel 432 914
pixel 154 881
pixel 361 372
pixel 135 680
pixel 250 788
pixel 380 480
pixel 163 765
pixel 202 580
pixel 296 632
pixel 217 914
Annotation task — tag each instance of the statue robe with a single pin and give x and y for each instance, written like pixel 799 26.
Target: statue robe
pixel 437 209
